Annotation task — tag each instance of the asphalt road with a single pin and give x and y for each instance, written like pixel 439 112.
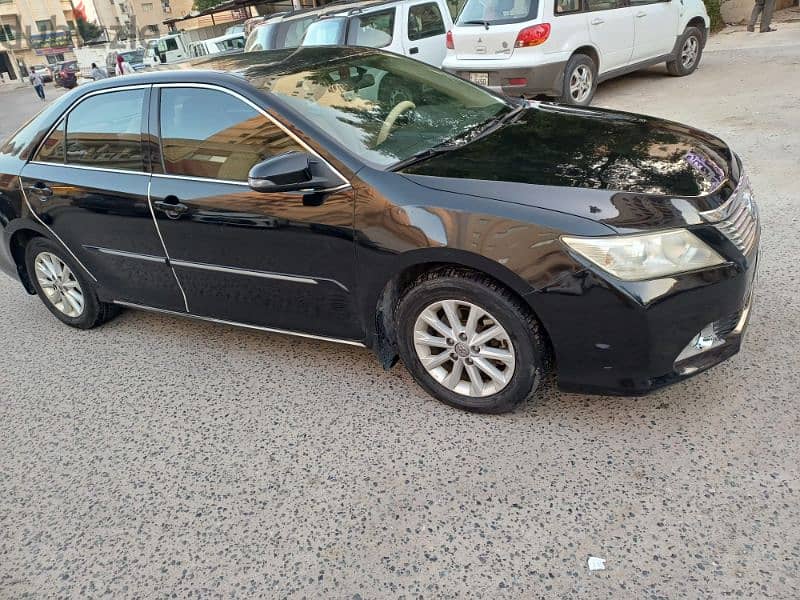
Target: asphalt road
pixel 157 456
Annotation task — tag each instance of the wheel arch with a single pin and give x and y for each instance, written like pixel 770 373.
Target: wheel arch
pixel 700 23
pixel 413 264
pixel 591 52
pixel 17 243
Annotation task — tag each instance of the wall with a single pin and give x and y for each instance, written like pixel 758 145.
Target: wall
pixel 738 11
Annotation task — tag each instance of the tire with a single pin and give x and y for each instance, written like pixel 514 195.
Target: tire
pixel 522 342
pixel 44 260
pixel 579 68
pixel 690 51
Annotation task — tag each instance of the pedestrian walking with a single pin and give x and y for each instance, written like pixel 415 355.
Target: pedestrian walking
pixel 38 84
pixel 123 66
pixel 98 73
pixel 765 8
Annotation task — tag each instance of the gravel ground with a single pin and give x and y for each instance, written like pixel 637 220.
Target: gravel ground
pixel 158 456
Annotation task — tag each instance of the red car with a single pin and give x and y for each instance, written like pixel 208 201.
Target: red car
pixel 66 74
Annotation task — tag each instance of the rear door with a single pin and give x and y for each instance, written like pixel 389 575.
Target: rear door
pixel 424 30
pixel 611 30
pixel 277 260
pixel 88 183
pixel 656 28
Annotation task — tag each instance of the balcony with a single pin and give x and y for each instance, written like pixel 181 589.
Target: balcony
pixel 8 7
pixel 51 39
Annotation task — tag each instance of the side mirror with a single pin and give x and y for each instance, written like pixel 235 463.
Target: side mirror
pixel 291 172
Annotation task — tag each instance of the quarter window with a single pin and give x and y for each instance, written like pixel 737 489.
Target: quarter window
pixel 424 21
pixel 52 149
pixel 374 30
pixel 105 131
pixel 225 147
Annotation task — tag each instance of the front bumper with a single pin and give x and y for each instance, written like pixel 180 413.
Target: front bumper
pixel 544 79
pixel 624 346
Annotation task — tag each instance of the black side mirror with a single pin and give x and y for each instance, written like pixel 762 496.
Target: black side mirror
pixel 291 172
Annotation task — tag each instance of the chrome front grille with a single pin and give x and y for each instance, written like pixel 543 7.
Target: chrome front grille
pixel 737 219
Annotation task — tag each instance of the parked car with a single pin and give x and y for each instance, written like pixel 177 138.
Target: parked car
pixel 66 74
pixel 166 49
pixel 225 43
pixel 135 58
pixel 483 239
pixel 564 48
pixel 235 29
pixel 44 71
pixel 415 28
pixel 286 29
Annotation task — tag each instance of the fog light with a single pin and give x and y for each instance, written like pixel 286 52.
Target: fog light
pixel 702 342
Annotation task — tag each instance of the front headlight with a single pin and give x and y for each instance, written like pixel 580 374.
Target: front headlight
pixel 646 256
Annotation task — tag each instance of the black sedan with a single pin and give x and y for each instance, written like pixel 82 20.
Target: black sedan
pixel 351 195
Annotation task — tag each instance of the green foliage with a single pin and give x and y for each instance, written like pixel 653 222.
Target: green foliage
pixel 204 4
pixel 88 31
pixel 714 12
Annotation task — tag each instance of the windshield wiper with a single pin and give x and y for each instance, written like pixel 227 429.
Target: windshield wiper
pixel 426 154
pixel 484 23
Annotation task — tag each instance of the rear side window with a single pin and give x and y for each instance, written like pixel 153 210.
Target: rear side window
pixel 52 149
pixel 568 6
pixel 105 131
pixel 374 30
pixel 603 4
pixel 424 21
pixel 497 12
pixel 290 33
pixel 225 147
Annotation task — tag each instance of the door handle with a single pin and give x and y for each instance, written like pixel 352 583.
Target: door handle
pixel 639 15
pixel 171 206
pixel 39 189
pixel 414 50
pixel 597 21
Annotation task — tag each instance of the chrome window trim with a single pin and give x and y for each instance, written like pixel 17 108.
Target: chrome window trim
pixel 53 233
pixel 106 170
pixel 254 106
pixel 238 324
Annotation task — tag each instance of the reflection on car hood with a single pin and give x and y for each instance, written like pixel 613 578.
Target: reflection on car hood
pixel 590 148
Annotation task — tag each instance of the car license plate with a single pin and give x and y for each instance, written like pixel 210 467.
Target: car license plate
pixel 479 78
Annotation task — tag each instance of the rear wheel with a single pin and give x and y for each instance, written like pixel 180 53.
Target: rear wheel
pixel 470 342
pixel 62 286
pixel 580 81
pixel 690 50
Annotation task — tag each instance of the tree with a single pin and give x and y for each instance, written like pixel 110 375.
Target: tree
pixel 88 31
pixel 204 4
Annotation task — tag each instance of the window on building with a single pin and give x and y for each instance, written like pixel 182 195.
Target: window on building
pixel 44 26
pixel 225 147
pixel 147 7
pixel 6 33
pixel 105 131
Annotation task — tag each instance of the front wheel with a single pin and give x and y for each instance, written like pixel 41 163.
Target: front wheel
pixel 690 50
pixel 580 81
pixel 63 287
pixel 469 342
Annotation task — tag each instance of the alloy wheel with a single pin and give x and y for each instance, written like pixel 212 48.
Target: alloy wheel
pixel 580 83
pixel 689 52
pixel 464 348
pixel 59 284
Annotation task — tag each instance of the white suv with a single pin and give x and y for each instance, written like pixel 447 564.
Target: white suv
pixel 564 48
pixel 415 28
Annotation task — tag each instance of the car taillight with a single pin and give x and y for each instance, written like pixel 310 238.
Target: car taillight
pixel 449 41
pixel 533 36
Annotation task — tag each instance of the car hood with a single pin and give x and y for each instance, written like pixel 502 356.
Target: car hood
pixel 623 162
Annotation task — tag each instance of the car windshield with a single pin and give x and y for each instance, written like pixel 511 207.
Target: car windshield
pixel 384 108
pixel 134 56
pixel 325 32
pixel 496 12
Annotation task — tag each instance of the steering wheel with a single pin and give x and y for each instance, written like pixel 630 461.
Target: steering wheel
pixel 388 122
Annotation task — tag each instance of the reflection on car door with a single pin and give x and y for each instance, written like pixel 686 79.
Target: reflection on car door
pixel 611 31
pixel 88 184
pixel 279 260
pixel 424 32
pixel 656 28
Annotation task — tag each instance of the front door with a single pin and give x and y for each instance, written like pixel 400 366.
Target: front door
pixel 279 260
pixel 611 31
pixel 88 184
pixel 656 28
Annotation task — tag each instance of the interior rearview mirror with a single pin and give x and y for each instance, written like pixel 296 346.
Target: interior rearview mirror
pixel 291 172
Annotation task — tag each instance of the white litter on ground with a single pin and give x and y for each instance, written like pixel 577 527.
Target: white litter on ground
pixel 597 564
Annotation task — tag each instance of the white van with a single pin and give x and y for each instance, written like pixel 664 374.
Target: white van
pixel 225 43
pixel 166 49
pixel 564 48
pixel 415 28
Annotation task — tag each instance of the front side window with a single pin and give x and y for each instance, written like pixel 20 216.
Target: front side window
pixel 385 108
pixel 105 131
pixel 223 147
pixel 497 12
pixel 374 30
pixel 424 21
